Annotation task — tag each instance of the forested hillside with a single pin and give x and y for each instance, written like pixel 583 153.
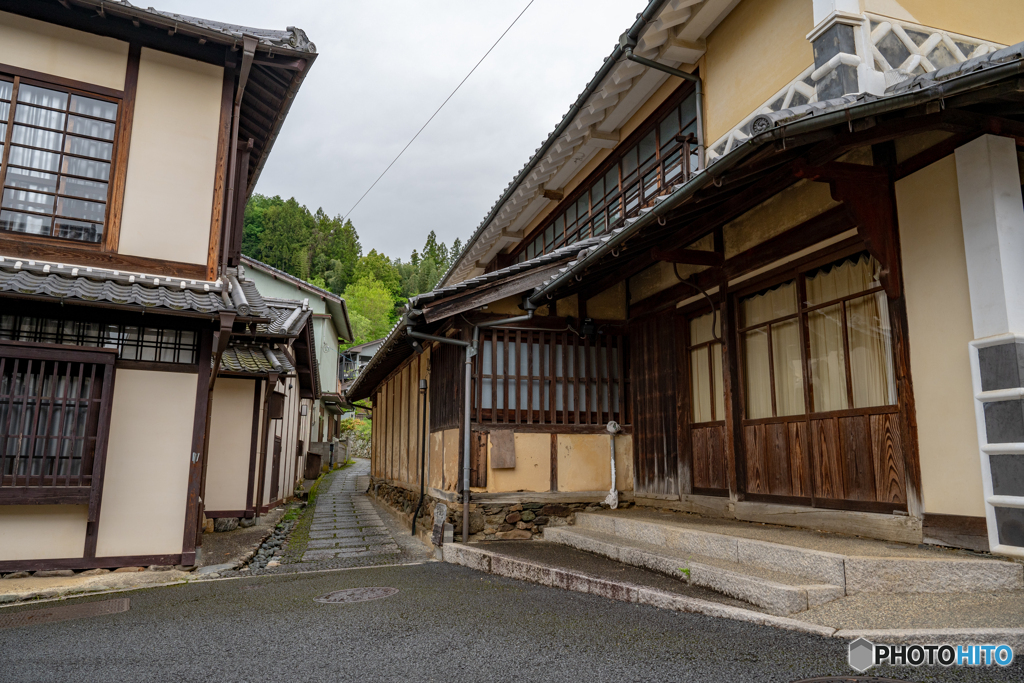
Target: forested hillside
pixel 326 252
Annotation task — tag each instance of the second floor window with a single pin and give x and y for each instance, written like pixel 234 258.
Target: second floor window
pixel 57 147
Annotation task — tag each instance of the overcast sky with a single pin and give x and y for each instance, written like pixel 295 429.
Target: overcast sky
pixel 382 70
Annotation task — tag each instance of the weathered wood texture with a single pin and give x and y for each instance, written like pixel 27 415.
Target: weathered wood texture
pixel 653 378
pixel 446 386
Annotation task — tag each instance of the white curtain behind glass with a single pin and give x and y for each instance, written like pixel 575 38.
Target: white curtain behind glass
pixel 868 332
pixel 770 305
pixel 701 375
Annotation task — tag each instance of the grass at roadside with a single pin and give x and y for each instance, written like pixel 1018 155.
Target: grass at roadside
pixel 300 535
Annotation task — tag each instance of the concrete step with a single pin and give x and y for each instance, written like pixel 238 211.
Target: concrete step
pixel 912 573
pixel 773 591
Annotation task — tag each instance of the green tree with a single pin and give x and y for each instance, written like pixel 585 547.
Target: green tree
pixel 377 266
pixel 371 308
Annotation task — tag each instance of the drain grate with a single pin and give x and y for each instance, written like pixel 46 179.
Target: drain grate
pixel 356 595
pixel 51 615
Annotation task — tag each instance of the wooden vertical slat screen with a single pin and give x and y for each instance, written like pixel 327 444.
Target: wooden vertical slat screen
pixel 542 377
pixel 652 367
pixel 51 408
pixel 446 386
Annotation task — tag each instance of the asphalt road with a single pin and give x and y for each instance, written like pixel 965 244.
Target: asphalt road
pixel 447 623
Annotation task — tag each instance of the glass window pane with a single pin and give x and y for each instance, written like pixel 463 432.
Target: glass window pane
pixel 5 111
pixel 827 359
pixel 700 385
pixel 716 360
pixel 560 226
pixel 19 222
pixel 668 128
pixel 647 148
pixel 570 214
pixel 531 250
pixel 688 110
pixel 76 208
pixel 32 180
pixel 88 148
pixel 582 208
pixel 775 303
pixel 632 198
pixel 788 366
pixel 33 158
pixel 599 224
pixel 614 211
pixel 78 230
pixel 91 107
pixel 651 184
pixel 842 279
pixel 597 193
pixel 871 363
pixel 611 180
pixel 39 117
pixel 629 162
pixel 756 378
pixel 6 88
pixel 549 236
pixel 86 189
pixel 99 170
pixel 35 137
pixel 91 127
pixel 28 201
pixel 700 329
pixel 44 97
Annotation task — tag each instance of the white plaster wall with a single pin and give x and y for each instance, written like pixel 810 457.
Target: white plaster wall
pixel 64 52
pixel 42 532
pixel 227 469
pixel 939 317
pixel 145 485
pixel 168 201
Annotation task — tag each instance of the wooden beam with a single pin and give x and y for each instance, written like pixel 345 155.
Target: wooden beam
pixel 126 114
pixel 220 179
pixel 694 257
pixel 192 506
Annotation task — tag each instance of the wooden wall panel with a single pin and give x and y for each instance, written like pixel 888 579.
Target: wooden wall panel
pixel 777 459
pixel 828 460
pixel 719 466
pixel 757 470
pixel 800 475
pixel 887 452
pixel 855 438
pixel 653 379
pixel 709 466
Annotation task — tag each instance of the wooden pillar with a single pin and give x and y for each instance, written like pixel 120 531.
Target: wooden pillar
pixel 193 512
pixel 735 466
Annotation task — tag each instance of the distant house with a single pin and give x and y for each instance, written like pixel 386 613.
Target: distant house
pixel 329 317
pixel 130 140
pixel 778 243
pixel 354 358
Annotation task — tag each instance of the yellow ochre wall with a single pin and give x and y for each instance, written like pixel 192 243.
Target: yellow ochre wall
pixel 1001 21
pixel 227 468
pixel 44 532
pixel 757 49
pixel 172 162
pixel 397 428
pixel 64 52
pixel 939 317
pixel 145 484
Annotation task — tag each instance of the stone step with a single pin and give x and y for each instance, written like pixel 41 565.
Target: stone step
pixel 852 573
pixel 775 592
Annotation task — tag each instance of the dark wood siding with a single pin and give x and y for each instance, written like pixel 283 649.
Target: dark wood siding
pixel 653 377
pixel 447 363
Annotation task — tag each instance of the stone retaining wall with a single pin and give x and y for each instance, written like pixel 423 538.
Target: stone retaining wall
pixel 487 521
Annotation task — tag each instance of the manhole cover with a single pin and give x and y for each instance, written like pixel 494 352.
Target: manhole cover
pixel 356 595
pixel 51 615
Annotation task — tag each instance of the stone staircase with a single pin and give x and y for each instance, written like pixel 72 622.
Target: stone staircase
pixel 781 578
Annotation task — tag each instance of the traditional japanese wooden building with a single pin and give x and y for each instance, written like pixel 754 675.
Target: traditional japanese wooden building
pixel 779 244
pixel 130 140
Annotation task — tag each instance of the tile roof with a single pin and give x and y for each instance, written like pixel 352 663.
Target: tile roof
pixel 291 39
pixel 65 282
pixel 287 317
pixel 252 359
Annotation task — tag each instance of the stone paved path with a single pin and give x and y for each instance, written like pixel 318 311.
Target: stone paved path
pixel 345 523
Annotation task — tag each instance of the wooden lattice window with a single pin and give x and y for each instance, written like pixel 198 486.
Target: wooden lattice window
pixel 57 152
pixel 54 417
pixel 544 377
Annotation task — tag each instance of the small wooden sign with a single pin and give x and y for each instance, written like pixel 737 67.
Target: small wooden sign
pixel 440 517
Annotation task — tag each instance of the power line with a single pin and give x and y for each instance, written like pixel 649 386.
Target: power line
pixel 438 110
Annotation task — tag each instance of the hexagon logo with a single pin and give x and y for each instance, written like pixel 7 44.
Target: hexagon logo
pixel 862 654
